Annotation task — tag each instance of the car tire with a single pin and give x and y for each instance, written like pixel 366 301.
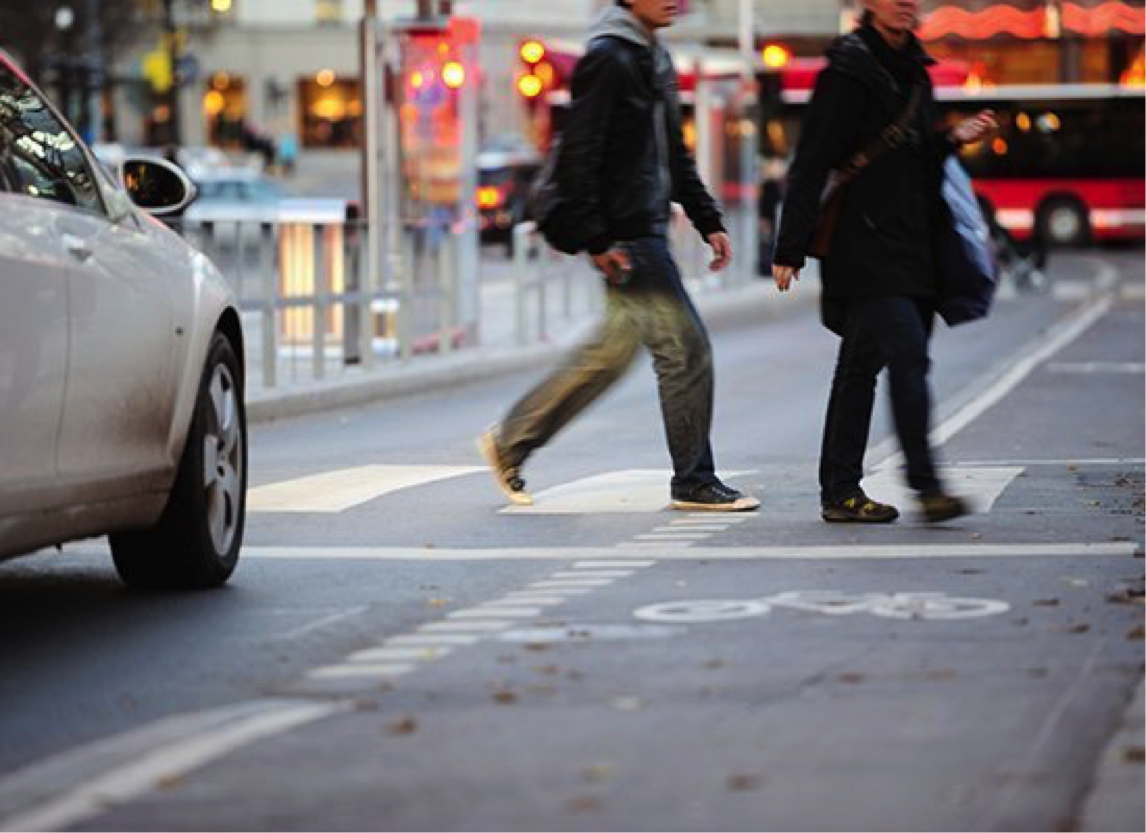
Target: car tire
pixel 1063 222
pixel 196 542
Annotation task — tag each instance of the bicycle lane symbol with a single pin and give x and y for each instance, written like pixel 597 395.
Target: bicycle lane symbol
pixel 905 605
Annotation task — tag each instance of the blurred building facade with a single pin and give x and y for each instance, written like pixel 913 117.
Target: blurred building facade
pixel 262 69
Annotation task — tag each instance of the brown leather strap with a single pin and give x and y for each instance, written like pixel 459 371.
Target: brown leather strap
pixel 889 138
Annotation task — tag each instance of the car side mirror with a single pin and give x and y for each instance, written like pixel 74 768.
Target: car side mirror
pixel 157 186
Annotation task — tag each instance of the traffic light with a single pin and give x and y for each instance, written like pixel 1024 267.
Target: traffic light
pixel 536 74
pixel 774 58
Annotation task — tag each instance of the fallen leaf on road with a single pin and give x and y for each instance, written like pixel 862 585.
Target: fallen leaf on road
pixel 1081 628
pixel 744 783
pixel 504 697
pixel 970 571
pixel 405 726
pixel 583 804
pixel 168 782
pixel 541 689
pixel 597 773
pixel 536 646
pixel 1133 754
pixel 437 602
pixel 850 677
pixel 1045 602
pixel 1136 633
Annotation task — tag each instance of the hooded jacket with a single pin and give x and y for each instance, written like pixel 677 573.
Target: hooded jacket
pixel 620 166
pixel 884 236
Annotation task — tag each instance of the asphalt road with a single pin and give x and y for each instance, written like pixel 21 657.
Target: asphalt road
pixel 398 652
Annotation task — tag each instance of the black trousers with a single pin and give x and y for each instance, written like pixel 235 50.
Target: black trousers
pixel 891 332
pixel 653 309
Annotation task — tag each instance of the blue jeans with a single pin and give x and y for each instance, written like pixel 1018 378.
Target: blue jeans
pixel 890 332
pixel 651 308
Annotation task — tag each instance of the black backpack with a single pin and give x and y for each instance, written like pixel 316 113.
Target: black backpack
pixel 549 209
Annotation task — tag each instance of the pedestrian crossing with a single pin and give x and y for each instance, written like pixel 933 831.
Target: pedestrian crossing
pixel 624 491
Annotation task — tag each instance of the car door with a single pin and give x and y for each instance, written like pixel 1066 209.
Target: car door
pixel 33 346
pixel 117 395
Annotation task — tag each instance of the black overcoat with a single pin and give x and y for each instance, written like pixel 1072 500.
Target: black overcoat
pixel 883 244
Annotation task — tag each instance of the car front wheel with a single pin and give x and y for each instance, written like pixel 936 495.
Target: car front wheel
pixel 196 542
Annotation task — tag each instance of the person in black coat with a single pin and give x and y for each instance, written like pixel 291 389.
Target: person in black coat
pixel 879 280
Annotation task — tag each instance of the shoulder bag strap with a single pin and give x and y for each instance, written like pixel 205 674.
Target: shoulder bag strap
pixel 889 138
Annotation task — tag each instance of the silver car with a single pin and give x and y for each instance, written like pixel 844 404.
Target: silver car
pixel 121 360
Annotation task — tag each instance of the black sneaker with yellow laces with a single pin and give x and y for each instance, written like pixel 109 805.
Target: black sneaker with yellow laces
pixel 859 509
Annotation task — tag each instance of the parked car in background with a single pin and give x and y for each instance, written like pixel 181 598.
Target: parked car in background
pixel 121 360
pixel 504 180
pixel 245 195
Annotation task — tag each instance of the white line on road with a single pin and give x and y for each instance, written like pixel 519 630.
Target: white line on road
pixel 323 622
pixel 1058 337
pixel 343 671
pixel 566 583
pixel 512 600
pixel 495 612
pixel 342 489
pixel 402 654
pixel 456 626
pixel 433 639
pixel 591 574
pixel 690 552
pixel 672 536
pixel 691 527
pixel 65 789
pixel 588 565
pixel 1090 461
pixel 1096 367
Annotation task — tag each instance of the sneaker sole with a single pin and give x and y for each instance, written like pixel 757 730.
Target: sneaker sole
pixel 843 518
pixel 744 504
pixel 489 453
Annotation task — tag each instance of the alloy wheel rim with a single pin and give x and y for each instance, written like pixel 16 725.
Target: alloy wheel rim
pixel 223 459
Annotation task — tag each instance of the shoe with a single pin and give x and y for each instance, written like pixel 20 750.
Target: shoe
pixel 508 477
pixel 939 507
pixel 859 509
pixel 714 497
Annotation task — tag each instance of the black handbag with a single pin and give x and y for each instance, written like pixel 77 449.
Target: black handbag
pixel 832 197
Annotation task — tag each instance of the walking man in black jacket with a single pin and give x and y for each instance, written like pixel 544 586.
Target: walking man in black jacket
pixel 879 280
pixel 622 163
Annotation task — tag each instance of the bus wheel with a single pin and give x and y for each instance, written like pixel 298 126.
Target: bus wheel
pixel 1063 221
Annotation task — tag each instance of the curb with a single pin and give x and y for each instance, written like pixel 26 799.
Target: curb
pixel 721 310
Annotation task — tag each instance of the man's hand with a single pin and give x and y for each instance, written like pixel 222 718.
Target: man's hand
pixel 975 128
pixel 784 275
pixel 721 250
pixel 614 264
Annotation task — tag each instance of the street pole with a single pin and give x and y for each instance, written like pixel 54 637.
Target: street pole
pixel 749 180
pixel 371 111
pixel 172 46
pixel 94 127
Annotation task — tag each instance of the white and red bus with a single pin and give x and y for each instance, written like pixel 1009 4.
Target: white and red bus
pixel 1068 165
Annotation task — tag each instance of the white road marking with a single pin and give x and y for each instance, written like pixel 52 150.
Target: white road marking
pixel 629 491
pixel 1133 292
pixel 434 639
pixel 990 393
pixel 389 654
pixel 1086 461
pixel 617 563
pixel 339 490
pixel 676 530
pixel 464 626
pixel 591 574
pixel 709 517
pixel 323 622
pixel 672 536
pixel 567 583
pixel 495 612
pixel 342 671
pixel 981 486
pixel 66 789
pixel 657 545
pixel 1096 367
pixel 513 600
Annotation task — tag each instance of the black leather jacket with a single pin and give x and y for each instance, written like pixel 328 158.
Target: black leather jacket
pixel 610 168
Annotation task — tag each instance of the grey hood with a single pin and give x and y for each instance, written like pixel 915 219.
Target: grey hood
pixel 619 22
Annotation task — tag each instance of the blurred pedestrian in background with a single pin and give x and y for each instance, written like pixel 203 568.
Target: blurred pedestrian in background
pixel 872 112
pixel 622 163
